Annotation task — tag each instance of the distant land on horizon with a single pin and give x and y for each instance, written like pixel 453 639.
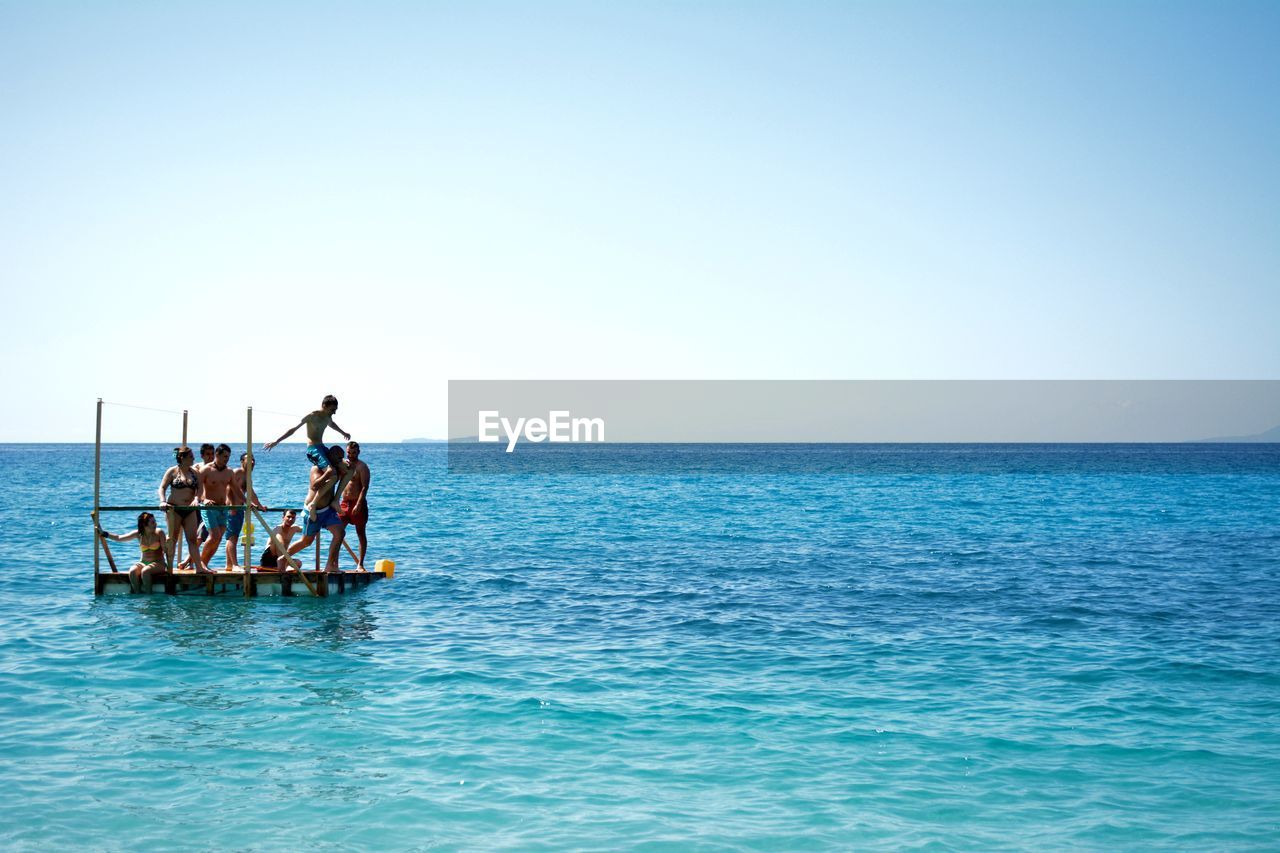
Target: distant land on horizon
pixel 424 441
pixel 1271 435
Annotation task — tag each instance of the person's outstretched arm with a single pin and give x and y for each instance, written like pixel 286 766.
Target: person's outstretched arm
pixel 334 425
pixel 271 444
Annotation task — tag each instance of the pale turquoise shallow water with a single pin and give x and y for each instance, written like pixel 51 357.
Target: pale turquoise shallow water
pixel 974 647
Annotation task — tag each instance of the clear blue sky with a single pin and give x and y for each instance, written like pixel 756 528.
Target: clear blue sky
pixel 370 198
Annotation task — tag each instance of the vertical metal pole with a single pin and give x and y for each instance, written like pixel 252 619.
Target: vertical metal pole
pixel 184 426
pixel 247 533
pixel 97 492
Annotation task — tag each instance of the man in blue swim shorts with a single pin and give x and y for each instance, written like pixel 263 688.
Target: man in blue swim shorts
pixel 324 482
pixel 317 454
pixel 215 519
pixel 235 518
pixel 220 492
pixel 325 519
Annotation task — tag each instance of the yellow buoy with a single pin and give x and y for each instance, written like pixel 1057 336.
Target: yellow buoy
pixel 387 567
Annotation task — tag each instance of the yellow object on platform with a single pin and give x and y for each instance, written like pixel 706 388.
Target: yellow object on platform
pixel 387 567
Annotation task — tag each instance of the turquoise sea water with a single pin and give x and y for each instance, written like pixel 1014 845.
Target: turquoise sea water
pixel 977 647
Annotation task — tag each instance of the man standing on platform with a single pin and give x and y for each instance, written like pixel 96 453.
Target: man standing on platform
pixel 354 509
pixel 317 454
pixel 321 495
pixel 235 518
pixel 220 491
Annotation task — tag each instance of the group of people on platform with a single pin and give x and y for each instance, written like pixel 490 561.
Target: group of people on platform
pixel 203 503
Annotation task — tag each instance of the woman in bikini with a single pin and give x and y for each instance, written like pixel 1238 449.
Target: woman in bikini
pixel 151 542
pixel 182 504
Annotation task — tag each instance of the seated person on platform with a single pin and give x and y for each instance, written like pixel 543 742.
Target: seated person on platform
pixel 324 482
pixel 180 496
pixel 219 492
pixel 285 532
pixel 152 542
pixel 316 423
pixel 235 518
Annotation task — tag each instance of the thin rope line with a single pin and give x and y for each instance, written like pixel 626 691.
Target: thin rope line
pixel 172 412
pixel 143 408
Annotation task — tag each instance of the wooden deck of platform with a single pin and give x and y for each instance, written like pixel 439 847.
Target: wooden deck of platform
pixel 261 582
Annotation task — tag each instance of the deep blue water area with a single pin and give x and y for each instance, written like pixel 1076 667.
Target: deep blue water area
pixel 670 647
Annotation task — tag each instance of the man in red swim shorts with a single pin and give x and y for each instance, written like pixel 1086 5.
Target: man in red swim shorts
pixel 354 509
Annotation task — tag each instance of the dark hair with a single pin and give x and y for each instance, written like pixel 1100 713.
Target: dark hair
pixel 224 448
pixel 289 512
pixel 179 452
pixel 329 400
pixel 143 518
pixel 243 455
pixel 206 446
pixel 331 449
pixel 351 444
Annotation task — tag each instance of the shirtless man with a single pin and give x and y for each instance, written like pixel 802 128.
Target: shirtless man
pixel 354 508
pixel 316 423
pixel 206 457
pixel 321 494
pixel 219 491
pixel 235 518
pixel 285 531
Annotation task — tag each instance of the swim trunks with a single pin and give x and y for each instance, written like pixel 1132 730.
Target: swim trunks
pixel 318 454
pixel 345 512
pixel 214 517
pixel 325 518
pixel 268 559
pixel 235 523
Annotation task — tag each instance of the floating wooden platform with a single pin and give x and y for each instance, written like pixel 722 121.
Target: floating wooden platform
pixel 262 582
